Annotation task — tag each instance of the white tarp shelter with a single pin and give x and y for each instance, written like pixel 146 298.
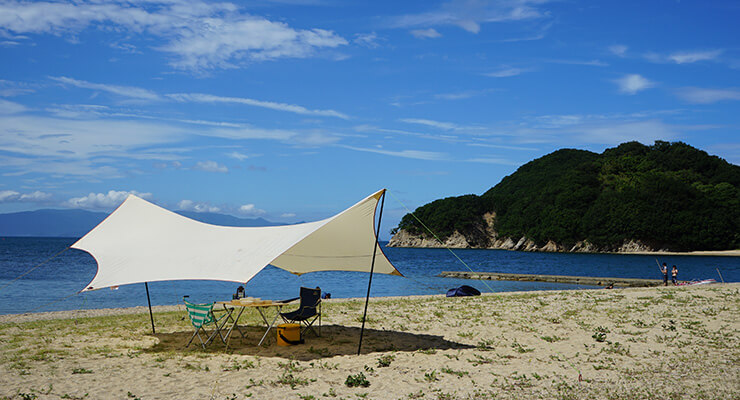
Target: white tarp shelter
pixel 142 242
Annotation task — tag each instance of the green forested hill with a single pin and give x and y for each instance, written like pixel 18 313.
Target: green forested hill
pixel 667 196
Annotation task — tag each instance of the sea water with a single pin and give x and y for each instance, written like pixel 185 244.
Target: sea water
pixel 54 285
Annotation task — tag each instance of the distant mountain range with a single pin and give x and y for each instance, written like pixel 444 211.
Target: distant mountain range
pixel 76 223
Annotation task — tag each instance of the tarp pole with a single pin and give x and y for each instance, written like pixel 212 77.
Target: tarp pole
pixel 372 267
pixel 151 316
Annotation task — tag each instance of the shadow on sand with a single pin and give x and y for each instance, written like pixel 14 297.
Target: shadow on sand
pixel 335 340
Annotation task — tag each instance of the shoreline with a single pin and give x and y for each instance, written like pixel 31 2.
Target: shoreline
pixel 700 253
pixel 137 310
pixel 576 343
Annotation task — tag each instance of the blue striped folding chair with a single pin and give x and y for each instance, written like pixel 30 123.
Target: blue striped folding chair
pixel 201 315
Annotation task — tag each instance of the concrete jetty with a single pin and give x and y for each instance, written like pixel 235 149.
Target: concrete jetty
pixel 579 280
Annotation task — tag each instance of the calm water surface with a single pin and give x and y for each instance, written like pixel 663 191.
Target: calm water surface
pixel 43 289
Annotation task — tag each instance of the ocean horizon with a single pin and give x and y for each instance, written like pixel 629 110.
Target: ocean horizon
pixel 54 286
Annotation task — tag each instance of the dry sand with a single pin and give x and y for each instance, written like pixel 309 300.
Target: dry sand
pixel 651 343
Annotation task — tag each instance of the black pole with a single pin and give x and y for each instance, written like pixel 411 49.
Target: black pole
pixel 372 267
pixel 151 316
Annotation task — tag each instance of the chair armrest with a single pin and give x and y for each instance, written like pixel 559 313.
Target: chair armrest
pixel 288 300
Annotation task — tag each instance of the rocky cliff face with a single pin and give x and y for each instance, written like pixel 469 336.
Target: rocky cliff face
pixel 458 240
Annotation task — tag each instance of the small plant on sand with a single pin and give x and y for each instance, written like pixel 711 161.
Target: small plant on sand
pixel 485 345
pixel 386 360
pixel 416 395
pixel 288 379
pixel 521 348
pixel 431 376
pixel 81 371
pixel 451 371
pixel 330 393
pixel 551 339
pixel 671 326
pixel 479 360
pixel 358 380
pixel 307 397
pixel 600 334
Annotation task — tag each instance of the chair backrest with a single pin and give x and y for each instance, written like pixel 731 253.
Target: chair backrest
pixel 310 298
pixel 200 314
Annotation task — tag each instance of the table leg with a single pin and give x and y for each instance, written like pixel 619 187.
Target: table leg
pixel 235 321
pixel 228 334
pixel 269 325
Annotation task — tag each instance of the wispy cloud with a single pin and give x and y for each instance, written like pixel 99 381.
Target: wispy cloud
pixel 633 83
pixel 250 209
pixel 469 15
pixel 11 196
pixel 493 160
pixel 618 50
pixel 587 63
pixel 415 154
pixel 684 57
pixel 429 33
pixel 506 72
pixel 369 40
pixel 687 57
pixel 9 107
pixel 125 91
pixel 210 166
pixel 103 201
pixel 432 123
pixel 707 96
pixel 207 98
pixel 199 207
pixel 199 35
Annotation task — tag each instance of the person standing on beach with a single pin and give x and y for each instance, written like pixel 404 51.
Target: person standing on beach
pixel 664 269
pixel 674 275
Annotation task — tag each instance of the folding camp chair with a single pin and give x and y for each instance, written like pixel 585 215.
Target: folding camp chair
pixel 202 315
pixel 308 311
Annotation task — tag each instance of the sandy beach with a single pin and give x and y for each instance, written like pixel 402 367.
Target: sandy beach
pixel 651 343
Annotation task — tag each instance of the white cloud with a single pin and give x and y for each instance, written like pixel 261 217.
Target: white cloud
pixel 432 123
pixel 688 57
pixel 415 154
pixel 633 83
pixel 369 40
pixel 200 207
pixel 207 98
pixel 200 35
pixel 588 63
pixel 210 166
pixel 684 57
pixel 707 96
pixel 430 33
pixel 505 73
pixel 108 200
pixel 618 50
pixel 287 215
pixel 469 15
pixel 250 209
pixel 11 196
pixel 238 156
pixel 125 91
pixel 9 107
pixel 493 160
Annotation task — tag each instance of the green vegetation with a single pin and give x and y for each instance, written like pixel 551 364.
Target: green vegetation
pixel 667 196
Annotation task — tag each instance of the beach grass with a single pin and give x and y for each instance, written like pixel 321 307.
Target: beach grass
pixel 646 343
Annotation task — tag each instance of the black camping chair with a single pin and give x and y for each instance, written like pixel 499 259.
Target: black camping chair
pixel 308 311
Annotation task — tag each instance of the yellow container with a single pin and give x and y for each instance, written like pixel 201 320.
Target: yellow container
pixel 288 334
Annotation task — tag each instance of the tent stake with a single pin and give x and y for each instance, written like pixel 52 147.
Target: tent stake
pixel 372 267
pixel 151 316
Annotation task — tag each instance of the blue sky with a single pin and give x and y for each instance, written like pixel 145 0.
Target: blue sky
pixel 295 110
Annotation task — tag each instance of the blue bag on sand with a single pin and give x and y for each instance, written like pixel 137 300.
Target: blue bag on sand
pixel 463 290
